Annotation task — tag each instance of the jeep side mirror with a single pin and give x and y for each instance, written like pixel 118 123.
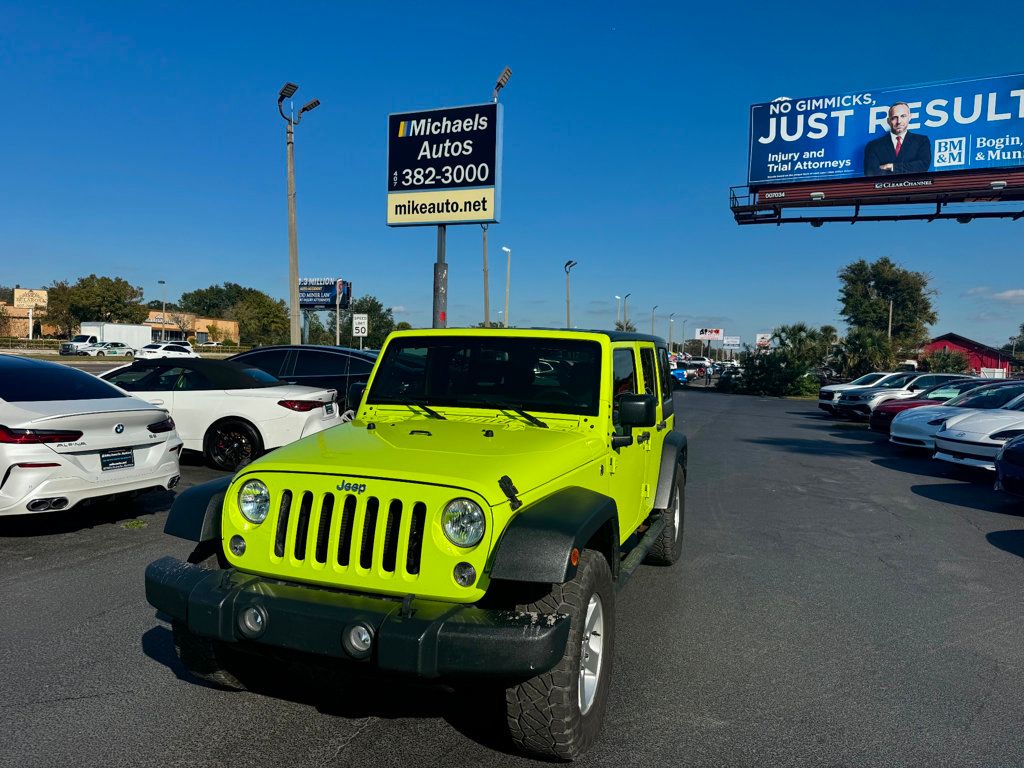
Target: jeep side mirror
pixel 355 395
pixel 637 411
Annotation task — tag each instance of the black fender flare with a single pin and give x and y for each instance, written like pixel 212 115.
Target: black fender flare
pixel 195 513
pixel 673 453
pixel 537 544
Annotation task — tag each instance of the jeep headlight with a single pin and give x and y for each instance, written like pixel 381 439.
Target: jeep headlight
pixel 254 501
pixel 463 522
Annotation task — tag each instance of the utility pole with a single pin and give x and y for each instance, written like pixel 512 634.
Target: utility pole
pixel 890 319
pixel 163 313
pixel 487 293
pixel 287 91
pixel 568 266
pixel 508 277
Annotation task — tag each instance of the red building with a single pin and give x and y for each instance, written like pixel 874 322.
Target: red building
pixel 979 355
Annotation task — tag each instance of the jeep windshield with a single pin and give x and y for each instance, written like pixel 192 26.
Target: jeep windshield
pixel 518 374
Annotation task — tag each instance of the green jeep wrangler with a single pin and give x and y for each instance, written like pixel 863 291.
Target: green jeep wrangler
pixel 475 520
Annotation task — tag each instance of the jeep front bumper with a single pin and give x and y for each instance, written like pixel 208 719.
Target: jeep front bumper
pixel 425 638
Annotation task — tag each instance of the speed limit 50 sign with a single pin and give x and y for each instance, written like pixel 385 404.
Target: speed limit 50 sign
pixel 360 325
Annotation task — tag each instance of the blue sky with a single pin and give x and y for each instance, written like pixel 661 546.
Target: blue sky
pixel 142 140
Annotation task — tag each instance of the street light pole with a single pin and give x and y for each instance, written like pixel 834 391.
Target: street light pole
pixel 625 311
pixel 508 277
pixel 568 266
pixel 287 91
pixel 671 322
pixel 618 300
pixel 655 307
pixel 163 312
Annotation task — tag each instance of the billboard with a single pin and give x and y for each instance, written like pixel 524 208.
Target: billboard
pixel 922 129
pixel 444 166
pixel 28 298
pixel 763 340
pixel 323 292
pixel 709 334
pixel 731 342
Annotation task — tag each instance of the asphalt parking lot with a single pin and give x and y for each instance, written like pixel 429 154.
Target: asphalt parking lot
pixel 839 602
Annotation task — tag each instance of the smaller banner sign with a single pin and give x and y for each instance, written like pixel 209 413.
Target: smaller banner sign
pixel 731 342
pixel 709 334
pixel 323 293
pixel 764 340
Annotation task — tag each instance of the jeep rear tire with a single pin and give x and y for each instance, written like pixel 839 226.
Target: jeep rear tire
pixel 669 545
pixel 558 714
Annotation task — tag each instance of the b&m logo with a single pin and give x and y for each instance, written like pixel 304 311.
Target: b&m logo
pixel 950 152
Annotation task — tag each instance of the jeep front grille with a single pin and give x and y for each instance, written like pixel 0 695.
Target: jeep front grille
pixel 364 521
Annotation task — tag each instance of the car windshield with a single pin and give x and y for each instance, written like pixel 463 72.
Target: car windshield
pixel 867 378
pixel 53 382
pixel 949 390
pixel 490 372
pixel 988 397
pixel 899 381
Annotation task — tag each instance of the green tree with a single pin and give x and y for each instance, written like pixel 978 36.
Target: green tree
pixel 215 301
pixel 6 294
pixel 5 320
pixel 58 309
pixel 1015 344
pixel 159 304
pixel 865 350
pixel 947 361
pixel 625 325
pixel 106 299
pixel 402 325
pixel 865 294
pixel 261 319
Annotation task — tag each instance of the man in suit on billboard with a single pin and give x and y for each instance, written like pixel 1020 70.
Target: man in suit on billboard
pixel 898 151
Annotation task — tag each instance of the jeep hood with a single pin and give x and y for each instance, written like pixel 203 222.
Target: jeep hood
pixel 464 454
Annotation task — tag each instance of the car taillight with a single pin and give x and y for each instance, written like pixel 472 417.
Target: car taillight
pixel 24 436
pixel 300 405
pixel 166 425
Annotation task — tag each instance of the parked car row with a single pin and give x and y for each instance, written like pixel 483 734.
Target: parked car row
pixel 967 421
pixel 67 436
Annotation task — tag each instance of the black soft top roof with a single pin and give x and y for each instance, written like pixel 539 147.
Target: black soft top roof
pixel 222 373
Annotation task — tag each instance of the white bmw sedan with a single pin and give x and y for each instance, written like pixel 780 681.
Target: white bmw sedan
pixel 65 437
pixel 229 411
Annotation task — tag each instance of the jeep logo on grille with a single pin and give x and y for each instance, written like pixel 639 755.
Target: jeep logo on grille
pixel 354 487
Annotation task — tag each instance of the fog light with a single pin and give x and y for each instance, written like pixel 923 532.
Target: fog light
pixel 465 574
pixel 237 546
pixel 252 621
pixel 358 640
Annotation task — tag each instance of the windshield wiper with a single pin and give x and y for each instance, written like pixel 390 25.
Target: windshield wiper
pixel 514 408
pixel 422 403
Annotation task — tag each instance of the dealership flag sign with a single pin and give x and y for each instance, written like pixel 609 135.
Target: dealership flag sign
pixel 444 166
pixel 969 124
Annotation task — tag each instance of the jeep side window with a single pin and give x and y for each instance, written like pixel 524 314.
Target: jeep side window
pixel 623 381
pixel 650 377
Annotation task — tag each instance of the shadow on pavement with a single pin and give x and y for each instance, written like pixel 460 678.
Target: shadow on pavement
pixel 1008 541
pixel 921 463
pixel 474 710
pixel 89 514
pixel 817 447
pixel 971 495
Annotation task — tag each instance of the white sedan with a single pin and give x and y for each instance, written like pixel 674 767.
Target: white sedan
pixel 229 411
pixel 917 427
pixel 165 349
pixel 66 437
pixel 975 439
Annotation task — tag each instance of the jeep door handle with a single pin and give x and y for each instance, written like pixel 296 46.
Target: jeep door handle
pixel 643 438
pixel 660 425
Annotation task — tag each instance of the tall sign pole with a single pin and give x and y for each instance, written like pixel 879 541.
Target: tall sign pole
pixel 440 281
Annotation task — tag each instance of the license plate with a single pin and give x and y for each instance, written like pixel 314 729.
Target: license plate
pixel 329 409
pixel 121 458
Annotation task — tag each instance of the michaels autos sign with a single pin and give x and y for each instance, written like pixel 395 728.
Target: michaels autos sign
pixel 952 126
pixel 444 166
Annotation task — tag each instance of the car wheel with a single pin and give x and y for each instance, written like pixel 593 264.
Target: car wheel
pixel 558 714
pixel 100 354
pixel 231 444
pixel 129 354
pixel 669 546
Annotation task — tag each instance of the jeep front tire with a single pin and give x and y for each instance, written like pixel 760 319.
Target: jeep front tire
pixel 558 714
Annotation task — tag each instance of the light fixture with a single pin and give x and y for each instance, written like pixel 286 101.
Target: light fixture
pixel 998 185
pixel 287 91
pixel 310 106
pixel 817 195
